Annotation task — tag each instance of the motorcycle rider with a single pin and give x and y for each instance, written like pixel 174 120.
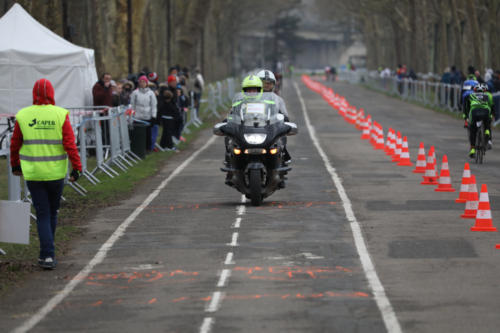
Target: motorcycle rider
pixel 251 87
pixel 269 83
pixel 481 104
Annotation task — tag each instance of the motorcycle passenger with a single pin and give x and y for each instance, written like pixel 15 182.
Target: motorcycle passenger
pixel 269 82
pixel 481 104
pixel 467 89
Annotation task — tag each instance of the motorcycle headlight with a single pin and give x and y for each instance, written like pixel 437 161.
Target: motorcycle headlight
pixel 255 138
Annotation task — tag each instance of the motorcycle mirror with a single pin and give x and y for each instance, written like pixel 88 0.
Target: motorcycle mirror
pixel 218 129
pixel 293 129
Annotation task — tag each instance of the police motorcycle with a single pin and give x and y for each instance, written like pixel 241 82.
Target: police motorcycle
pixel 254 145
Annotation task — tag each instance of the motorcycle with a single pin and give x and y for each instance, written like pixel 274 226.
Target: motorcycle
pixel 255 139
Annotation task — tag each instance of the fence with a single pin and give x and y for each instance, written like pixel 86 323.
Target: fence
pixel 432 94
pixel 104 132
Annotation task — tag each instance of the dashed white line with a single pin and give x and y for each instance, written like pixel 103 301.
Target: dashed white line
pixel 237 223
pixel 234 239
pixel 103 251
pixel 229 259
pixel 388 315
pixel 215 301
pixel 224 275
pixel 207 324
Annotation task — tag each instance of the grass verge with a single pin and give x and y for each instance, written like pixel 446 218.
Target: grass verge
pixel 76 210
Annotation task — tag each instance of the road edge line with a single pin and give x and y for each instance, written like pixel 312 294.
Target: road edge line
pixel 388 315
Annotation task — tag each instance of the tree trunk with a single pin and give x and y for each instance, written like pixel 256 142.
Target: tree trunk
pixel 476 34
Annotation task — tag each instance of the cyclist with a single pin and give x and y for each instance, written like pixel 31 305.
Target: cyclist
pixel 467 89
pixel 269 82
pixel 481 104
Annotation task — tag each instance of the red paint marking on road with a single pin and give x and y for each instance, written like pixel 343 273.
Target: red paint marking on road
pixel 98 303
pixel 180 299
pixel 206 299
pixel 152 301
pixel 118 301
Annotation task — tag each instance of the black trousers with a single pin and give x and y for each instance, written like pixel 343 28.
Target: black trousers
pixel 168 131
pixel 476 115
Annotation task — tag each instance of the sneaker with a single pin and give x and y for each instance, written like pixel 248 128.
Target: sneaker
pixel 472 153
pixel 489 145
pixel 47 263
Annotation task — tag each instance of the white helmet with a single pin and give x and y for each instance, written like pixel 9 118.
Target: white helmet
pixel 266 75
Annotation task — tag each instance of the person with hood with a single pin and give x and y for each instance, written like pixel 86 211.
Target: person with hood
pixel 144 102
pixel 42 141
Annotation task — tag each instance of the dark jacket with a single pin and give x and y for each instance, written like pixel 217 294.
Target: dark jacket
pixel 102 96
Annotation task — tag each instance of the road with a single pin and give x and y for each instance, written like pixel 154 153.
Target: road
pixel 187 253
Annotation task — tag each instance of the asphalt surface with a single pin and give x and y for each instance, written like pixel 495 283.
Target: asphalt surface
pixel 197 259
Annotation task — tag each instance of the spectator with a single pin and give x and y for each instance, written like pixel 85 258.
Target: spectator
pixel 116 93
pixel 167 114
pixel 144 103
pixel 446 77
pixel 128 87
pixel 456 76
pixel 102 91
pixel 44 164
pixel 477 74
pixel 199 85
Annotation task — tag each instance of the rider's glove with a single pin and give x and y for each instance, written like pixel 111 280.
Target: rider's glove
pixel 466 123
pixel 75 174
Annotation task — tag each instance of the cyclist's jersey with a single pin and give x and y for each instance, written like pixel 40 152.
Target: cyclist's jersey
pixel 467 88
pixel 481 101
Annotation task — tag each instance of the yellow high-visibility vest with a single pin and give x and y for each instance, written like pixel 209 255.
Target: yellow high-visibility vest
pixel 42 154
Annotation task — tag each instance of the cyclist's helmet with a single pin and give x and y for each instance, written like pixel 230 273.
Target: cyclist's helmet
pixel 251 83
pixel 480 88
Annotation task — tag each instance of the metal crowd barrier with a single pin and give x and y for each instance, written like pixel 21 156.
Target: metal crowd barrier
pixel 104 131
pixel 434 94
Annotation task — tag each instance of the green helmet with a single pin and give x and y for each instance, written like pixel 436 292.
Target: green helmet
pixel 251 81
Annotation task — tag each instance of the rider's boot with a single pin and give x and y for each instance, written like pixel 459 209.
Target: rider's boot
pixel 472 152
pixel 487 133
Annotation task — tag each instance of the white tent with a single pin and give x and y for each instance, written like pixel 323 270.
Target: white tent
pixel 29 51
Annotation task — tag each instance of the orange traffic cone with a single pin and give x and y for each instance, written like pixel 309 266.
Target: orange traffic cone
pixel 379 142
pixel 405 154
pixel 392 143
pixel 388 140
pixel 397 151
pixel 464 187
pixel 444 177
pixel 421 163
pixel 373 134
pixel 483 216
pixel 367 128
pixel 471 204
pixel 430 177
pixel 360 116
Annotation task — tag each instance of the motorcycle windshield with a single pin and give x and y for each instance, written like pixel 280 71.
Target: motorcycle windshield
pixel 255 109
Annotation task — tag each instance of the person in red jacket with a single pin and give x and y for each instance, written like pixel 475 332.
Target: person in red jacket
pixel 102 91
pixel 42 141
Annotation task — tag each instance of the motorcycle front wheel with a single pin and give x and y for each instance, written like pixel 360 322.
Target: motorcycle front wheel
pixel 254 182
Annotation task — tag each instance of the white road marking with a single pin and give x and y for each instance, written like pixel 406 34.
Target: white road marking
pixel 215 301
pixel 229 259
pixel 388 315
pixel 207 324
pixel 224 275
pixel 237 223
pixel 234 240
pixel 103 251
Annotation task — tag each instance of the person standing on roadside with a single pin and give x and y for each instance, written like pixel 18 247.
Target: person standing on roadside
pixel 144 103
pixel 42 141
pixel 102 92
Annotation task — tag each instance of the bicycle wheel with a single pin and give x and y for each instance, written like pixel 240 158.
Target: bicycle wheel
pixel 480 145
